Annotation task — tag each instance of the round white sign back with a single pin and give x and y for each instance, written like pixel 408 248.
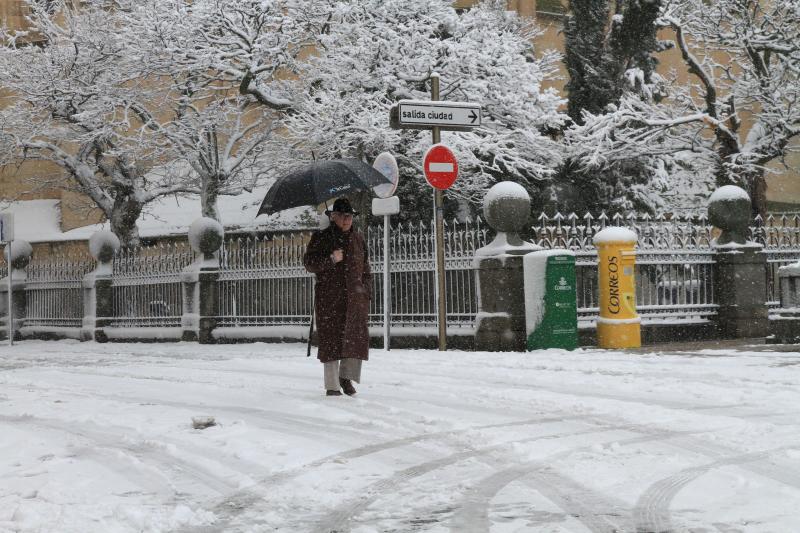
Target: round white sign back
pixel 386 164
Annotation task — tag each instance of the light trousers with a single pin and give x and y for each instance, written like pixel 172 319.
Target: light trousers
pixel 348 368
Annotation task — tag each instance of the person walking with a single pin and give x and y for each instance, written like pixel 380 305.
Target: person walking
pixel 338 257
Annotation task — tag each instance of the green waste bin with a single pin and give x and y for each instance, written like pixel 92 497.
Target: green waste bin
pixel 551 311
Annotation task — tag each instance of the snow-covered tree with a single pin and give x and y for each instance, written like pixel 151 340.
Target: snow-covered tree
pixel 610 51
pixel 376 52
pixel 70 103
pixel 251 46
pixel 136 99
pixel 742 110
pixel 213 131
pixel 608 54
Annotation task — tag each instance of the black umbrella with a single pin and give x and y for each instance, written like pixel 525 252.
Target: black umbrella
pixel 319 182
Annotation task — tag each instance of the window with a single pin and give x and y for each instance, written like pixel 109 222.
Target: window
pixel 551 7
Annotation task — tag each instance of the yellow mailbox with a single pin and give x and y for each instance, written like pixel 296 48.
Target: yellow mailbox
pixel 618 326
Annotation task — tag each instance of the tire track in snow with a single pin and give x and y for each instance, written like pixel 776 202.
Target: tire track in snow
pixel 651 513
pixel 247 498
pixel 652 508
pixel 598 512
pixel 602 514
pixel 149 481
pixel 338 519
pixel 176 470
pixel 244 499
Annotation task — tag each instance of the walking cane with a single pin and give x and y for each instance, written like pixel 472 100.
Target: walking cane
pixel 311 329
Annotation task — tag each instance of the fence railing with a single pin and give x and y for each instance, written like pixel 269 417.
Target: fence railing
pixel 413 272
pixel 146 285
pixel 780 235
pixel 262 281
pixel 53 291
pixel 674 262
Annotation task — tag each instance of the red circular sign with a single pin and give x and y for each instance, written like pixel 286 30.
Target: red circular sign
pixel 441 167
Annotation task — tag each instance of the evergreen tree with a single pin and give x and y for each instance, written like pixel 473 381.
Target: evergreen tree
pixel 608 54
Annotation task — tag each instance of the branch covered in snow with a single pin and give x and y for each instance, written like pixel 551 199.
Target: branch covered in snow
pixel 377 52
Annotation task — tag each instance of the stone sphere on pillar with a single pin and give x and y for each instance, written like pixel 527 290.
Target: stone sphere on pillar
pixel 507 207
pixel 205 235
pixel 729 210
pixel 103 245
pixel 20 254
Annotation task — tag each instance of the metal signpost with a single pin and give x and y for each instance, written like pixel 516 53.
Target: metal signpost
pixel 437 116
pixel 6 236
pixel 387 205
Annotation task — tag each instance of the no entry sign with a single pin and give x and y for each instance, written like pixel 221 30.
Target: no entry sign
pixel 441 167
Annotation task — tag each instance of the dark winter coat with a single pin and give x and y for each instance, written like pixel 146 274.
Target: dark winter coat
pixel 342 293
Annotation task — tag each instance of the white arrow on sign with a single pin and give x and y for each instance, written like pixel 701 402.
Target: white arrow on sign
pixel 416 113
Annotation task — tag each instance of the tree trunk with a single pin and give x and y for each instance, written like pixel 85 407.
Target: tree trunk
pixel 208 197
pixel 758 194
pixel 123 219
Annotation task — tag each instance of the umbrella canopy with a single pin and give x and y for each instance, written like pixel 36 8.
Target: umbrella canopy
pixel 319 182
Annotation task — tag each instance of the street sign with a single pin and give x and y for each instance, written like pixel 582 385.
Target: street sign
pixel 421 114
pixel 6 227
pixel 386 164
pixel 441 166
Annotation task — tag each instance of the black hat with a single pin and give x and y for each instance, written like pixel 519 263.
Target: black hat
pixel 342 205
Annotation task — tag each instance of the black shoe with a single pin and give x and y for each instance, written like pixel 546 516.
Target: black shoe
pixel 347 387
pixel 333 393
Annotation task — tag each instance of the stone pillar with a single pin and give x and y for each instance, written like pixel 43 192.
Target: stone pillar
pixel 500 323
pixel 740 272
pixel 18 257
pixel 98 308
pixel 200 282
pixel 785 327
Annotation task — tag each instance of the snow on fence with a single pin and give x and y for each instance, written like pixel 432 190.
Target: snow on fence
pixel 53 291
pixel 413 272
pixel 780 235
pixel 262 281
pixel 674 262
pixel 146 285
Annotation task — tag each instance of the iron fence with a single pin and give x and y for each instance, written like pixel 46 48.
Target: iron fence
pixel 780 236
pixel 263 282
pixel 54 292
pixel 3 306
pixel 146 286
pixel 674 262
pixel 413 272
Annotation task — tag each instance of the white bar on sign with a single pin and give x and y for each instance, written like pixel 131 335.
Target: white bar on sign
pixel 440 167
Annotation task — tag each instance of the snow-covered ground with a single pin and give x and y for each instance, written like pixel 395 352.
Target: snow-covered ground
pixel 99 438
